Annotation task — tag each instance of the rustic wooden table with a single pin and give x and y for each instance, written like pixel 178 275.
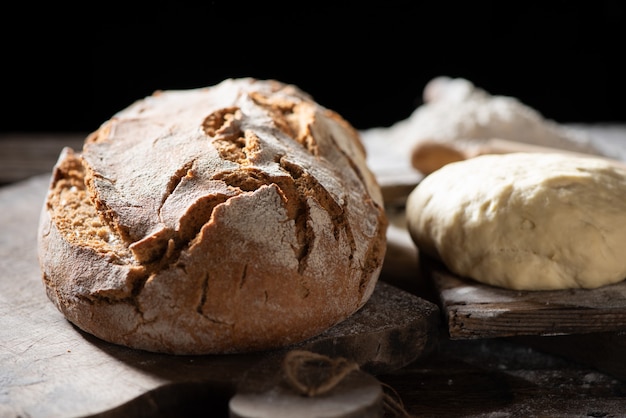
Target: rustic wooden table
pixel 577 375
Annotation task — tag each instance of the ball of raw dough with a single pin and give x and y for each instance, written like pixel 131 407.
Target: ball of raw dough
pixel 525 221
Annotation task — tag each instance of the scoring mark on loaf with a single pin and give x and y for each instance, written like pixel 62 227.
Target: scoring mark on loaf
pixel 292 118
pixel 236 141
pixel 305 186
pixel 232 143
pixel 203 299
pixel 238 145
pixel 69 194
pixel 294 190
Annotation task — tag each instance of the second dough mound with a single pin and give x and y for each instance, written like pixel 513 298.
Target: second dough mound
pixel 524 221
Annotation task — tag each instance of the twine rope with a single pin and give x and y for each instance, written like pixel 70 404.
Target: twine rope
pixel 312 374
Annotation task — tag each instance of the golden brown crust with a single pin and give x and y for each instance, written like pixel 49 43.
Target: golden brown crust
pixel 232 218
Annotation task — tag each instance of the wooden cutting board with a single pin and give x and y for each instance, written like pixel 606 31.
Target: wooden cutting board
pixel 475 310
pixel 50 368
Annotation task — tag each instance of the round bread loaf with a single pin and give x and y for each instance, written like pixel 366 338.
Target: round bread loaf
pixel 232 218
pixel 525 221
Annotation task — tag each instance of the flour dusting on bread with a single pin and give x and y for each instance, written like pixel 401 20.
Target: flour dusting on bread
pixel 231 218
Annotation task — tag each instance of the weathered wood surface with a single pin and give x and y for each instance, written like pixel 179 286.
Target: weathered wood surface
pixel 500 377
pixel 49 368
pixel 475 310
pixel 603 351
pixel 577 375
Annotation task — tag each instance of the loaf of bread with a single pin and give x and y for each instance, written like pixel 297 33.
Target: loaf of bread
pixel 232 218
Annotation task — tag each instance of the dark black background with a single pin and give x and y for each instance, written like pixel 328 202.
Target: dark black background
pixel 71 69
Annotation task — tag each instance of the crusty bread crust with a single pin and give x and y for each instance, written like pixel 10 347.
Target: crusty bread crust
pixel 226 219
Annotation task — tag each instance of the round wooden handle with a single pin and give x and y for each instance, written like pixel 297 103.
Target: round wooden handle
pixel 428 156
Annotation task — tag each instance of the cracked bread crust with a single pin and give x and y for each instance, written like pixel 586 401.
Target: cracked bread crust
pixel 232 218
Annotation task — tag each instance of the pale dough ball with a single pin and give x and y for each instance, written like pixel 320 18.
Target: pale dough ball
pixel 524 221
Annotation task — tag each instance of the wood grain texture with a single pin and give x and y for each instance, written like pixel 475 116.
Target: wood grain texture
pixel 475 310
